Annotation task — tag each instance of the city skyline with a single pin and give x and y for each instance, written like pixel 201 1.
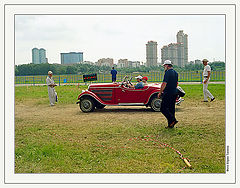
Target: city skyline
pixel 117 37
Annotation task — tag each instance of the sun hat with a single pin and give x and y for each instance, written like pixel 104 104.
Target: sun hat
pixel 167 62
pixel 145 78
pixel 204 60
pixel 139 76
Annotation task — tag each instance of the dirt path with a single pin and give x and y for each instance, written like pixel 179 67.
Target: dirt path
pixel 189 112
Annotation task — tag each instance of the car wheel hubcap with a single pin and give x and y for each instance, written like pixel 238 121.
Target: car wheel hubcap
pixel 86 104
pixel 157 103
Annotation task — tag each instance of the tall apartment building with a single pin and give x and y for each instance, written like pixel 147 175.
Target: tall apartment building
pixel 151 53
pixel 176 52
pixel 42 55
pixel 71 58
pixel 39 56
pixel 182 39
pixel 35 56
pixel 105 62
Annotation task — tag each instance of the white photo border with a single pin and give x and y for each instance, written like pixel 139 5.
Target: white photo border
pixel 10 10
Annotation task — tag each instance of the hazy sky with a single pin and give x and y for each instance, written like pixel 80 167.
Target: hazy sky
pixel 117 37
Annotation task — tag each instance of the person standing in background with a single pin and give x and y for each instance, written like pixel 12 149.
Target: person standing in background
pixel 51 90
pixel 206 78
pixel 114 74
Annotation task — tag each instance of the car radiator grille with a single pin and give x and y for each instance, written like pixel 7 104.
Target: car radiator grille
pixel 103 94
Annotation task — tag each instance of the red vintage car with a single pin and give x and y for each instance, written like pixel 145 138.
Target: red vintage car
pixel 119 94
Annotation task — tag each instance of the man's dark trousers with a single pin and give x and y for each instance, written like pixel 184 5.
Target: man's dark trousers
pixel 168 107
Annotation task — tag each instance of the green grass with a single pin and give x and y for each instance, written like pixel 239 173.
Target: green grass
pixel 62 139
pixel 67 94
pixel 195 91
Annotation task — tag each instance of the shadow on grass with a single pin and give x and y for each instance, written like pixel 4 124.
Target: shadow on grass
pixel 127 109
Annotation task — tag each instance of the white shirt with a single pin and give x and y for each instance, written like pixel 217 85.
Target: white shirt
pixel 49 81
pixel 206 69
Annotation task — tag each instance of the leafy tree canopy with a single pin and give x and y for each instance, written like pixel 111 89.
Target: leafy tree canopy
pixel 58 69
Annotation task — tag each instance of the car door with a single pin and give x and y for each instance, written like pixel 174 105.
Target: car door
pixel 131 95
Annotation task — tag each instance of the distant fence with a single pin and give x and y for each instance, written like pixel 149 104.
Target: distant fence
pixel 195 76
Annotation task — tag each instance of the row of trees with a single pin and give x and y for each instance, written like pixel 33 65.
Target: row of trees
pixel 217 65
pixel 58 69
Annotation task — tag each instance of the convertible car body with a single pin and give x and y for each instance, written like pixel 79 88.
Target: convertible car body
pixel 119 94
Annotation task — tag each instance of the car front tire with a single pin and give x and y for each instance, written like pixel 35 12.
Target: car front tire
pixel 156 104
pixel 87 105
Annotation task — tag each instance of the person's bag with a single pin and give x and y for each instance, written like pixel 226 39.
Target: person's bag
pixel 56 96
pixel 180 91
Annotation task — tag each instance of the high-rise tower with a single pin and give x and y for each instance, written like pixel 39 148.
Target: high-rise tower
pixel 176 52
pixel 35 56
pixel 39 56
pixel 42 55
pixel 151 52
pixel 182 40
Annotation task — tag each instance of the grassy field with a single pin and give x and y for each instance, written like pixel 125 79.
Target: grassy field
pixel 62 139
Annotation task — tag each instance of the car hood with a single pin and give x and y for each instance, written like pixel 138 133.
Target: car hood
pixel 107 85
pixel 104 85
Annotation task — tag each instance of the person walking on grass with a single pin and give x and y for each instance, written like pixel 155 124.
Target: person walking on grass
pixel 206 78
pixel 168 93
pixel 114 75
pixel 51 91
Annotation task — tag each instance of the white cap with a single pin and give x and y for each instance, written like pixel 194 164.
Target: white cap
pixel 167 62
pixel 139 76
pixel 49 72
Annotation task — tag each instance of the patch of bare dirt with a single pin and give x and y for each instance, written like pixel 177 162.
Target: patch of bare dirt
pixel 190 112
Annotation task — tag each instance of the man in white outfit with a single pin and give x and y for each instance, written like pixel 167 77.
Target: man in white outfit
pixel 206 78
pixel 51 91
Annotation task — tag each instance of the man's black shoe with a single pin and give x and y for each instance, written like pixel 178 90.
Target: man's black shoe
pixel 212 99
pixel 172 124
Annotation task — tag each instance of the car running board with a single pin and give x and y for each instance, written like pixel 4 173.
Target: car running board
pixel 131 104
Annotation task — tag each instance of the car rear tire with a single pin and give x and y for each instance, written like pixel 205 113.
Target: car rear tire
pixel 87 105
pixel 156 104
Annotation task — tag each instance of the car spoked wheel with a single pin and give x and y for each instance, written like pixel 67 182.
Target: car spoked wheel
pixel 156 104
pixel 87 105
